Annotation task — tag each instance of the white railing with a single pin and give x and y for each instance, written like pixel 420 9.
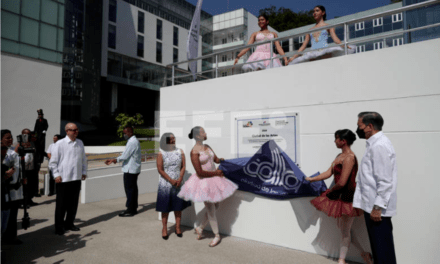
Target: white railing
pixel 346 41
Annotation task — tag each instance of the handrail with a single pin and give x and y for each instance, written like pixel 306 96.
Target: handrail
pixel 398 10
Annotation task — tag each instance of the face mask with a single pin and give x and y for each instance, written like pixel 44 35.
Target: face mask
pixel 360 133
pixel 126 137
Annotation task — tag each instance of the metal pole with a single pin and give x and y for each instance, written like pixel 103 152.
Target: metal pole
pixel 172 75
pixel 271 54
pixel 345 38
pixel 216 66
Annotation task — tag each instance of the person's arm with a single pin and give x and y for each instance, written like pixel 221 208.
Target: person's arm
pixel 216 159
pixel 323 176
pixel 182 169
pixel 347 166
pixel 49 155
pixel 279 48
pixel 198 167
pixel 128 152
pixel 251 41
pixel 302 48
pixel 53 163
pixel 160 169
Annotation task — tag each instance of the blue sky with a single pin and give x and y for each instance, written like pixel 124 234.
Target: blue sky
pixel 334 7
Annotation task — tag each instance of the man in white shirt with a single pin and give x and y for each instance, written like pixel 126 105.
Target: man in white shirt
pixel 376 187
pixel 49 154
pixel 68 163
pixel 131 167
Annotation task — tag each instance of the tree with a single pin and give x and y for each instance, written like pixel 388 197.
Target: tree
pixel 284 19
pixel 395 1
pixel 126 120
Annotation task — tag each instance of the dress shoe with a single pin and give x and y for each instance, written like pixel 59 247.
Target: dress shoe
pixel 72 227
pixel 178 234
pixel 60 232
pixel 165 237
pixel 126 214
pixel 32 203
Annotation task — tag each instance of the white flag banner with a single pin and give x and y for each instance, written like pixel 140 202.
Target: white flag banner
pixel 193 39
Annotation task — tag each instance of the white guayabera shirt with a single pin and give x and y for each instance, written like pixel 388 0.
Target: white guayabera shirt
pixel 68 160
pixel 131 157
pixel 377 177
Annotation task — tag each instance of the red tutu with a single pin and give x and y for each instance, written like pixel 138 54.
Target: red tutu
pixel 335 208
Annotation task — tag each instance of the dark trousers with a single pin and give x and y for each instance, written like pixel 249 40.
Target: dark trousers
pixel 51 183
pixel 11 229
pixel 66 203
pixel 131 190
pixel 32 181
pixel 381 240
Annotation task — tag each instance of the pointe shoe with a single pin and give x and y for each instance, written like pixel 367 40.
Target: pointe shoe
pixel 199 233
pixel 367 257
pixel 215 241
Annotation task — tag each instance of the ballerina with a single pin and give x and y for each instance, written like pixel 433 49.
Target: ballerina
pixel 263 51
pixel 337 202
pixel 207 185
pixel 319 41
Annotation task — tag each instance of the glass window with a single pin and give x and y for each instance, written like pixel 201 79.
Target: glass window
pixel 49 12
pixel 29 31
pixel 397 25
pixel 141 22
pixel 175 55
pixel 48 55
pixel 360 48
pixel 158 52
pixel 360 26
pixel 378 45
pixel 61 16
pixel 114 65
pixel 112 10
pixel 10 24
pixel 111 36
pixel 10 46
pixel 140 46
pixel 60 40
pixel 175 36
pixel 48 37
pixel 397 17
pixel 29 51
pixel 159 29
pixel 31 8
pixel 11 5
pixel 378 22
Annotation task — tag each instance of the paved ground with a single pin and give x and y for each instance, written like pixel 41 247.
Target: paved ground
pixel 107 238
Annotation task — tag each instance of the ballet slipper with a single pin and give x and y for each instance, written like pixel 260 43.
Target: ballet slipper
pixel 199 233
pixel 215 241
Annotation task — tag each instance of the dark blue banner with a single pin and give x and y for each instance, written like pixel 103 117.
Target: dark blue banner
pixel 271 173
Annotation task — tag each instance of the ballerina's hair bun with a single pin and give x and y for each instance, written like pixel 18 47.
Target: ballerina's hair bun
pixel 346 134
pixel 194 131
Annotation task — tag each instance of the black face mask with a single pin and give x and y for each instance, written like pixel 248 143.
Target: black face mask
pixel 360 133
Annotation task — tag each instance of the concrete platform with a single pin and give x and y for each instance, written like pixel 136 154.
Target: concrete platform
pixel 107 238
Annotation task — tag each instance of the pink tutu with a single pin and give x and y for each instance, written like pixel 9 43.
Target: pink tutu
pixel 212 189
pixel 259 55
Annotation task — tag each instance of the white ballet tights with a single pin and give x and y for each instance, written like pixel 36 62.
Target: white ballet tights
pixel 211 208
pixel 345 224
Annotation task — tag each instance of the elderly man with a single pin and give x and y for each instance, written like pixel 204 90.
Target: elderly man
pixel 131 167
pixel 68 163
pixel 49 154
pixel 376 187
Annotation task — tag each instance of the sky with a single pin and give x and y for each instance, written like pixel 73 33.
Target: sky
pixel 333 7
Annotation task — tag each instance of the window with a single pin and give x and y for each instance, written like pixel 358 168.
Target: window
pixel 397 42
pixel 112 10
pixel 140 47
pixel 242 36
pixel 397 17
pixel 224 74
pixel 378 22
pixel 302 39
pixel 224 57
pixel 378 45
pixel 360 49
pixel 141 22
pixel 224 41
pixel 175 55
pixel 175 36
pixel 359 26
pixel 159 29
pixel 112 36
pixel 158 51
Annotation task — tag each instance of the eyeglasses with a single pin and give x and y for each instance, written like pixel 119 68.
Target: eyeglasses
pixel 73 130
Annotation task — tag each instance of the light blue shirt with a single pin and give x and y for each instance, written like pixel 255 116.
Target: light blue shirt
pixel 131 157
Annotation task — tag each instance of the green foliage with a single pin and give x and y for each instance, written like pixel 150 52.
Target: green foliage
pixel 152 146
pixel 145 132
pixel 395 1
pixel 126 120
pixel 284 19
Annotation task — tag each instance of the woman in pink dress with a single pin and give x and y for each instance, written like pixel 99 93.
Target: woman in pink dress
pixel 207 185
pixel 262 52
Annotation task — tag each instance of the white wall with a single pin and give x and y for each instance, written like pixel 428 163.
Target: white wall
pixel 127 32
pixel 28 85
pixel 400 83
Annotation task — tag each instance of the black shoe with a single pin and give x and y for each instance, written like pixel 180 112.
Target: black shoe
pixel 51 194
pixel 165 237
pixel 13 242
pixel 60 232
pixel 126 214
pixel 32 203
pixel 37 195
pixel 178 235
pixel 72 227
